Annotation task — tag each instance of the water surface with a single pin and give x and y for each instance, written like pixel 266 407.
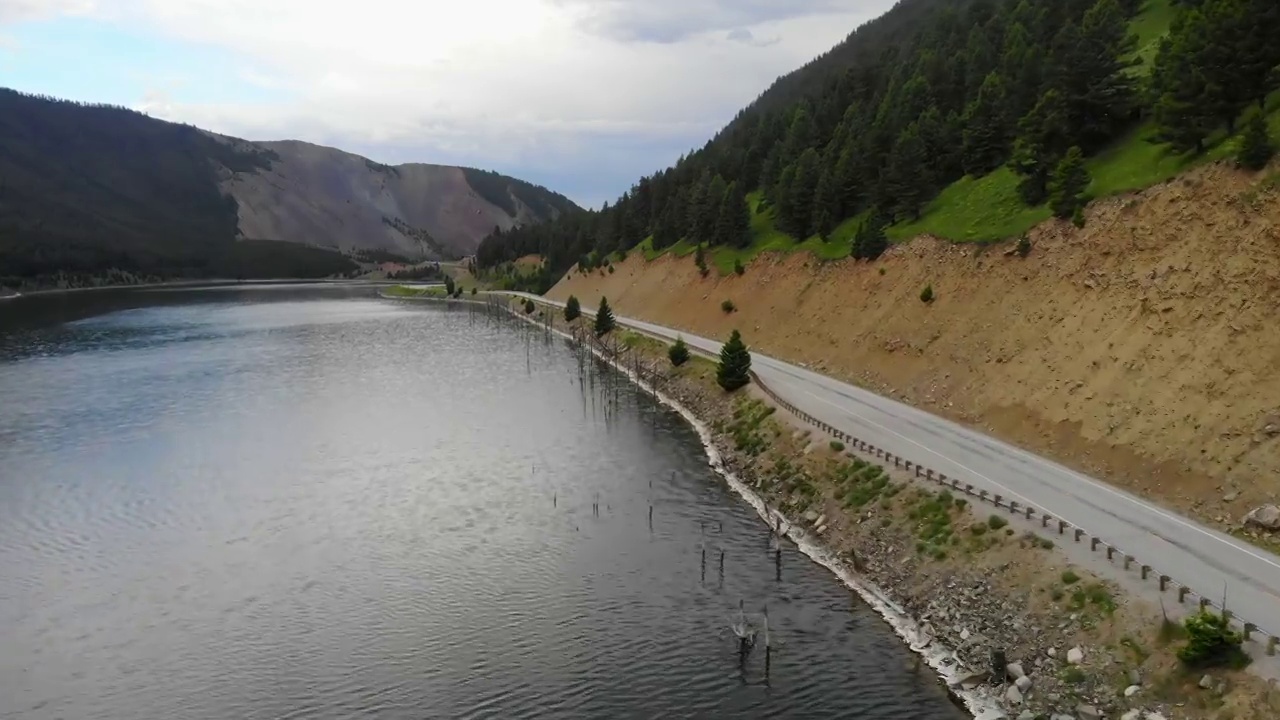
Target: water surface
pixel 313 503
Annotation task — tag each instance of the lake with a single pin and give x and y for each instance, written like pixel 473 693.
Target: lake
pixel 310 502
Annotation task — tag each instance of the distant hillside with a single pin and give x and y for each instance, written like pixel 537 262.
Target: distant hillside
pixel 968 119
pixel 86 190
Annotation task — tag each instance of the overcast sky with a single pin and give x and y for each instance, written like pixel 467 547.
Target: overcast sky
pixel 583 96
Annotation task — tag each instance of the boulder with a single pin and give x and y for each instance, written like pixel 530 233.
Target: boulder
pixel 1015 670
pixel 1266 517
pixel 1075 655
pixel 1023 684
pixel 811 516
pixel 1132 690
pixel 1135 677
pixel 1206 682
pixel 1013 695
pixel 1051 652
pixel 1132 715
pixel 1088 712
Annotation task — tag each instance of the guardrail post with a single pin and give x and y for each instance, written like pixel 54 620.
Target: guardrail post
pixel 1182 594
pixel 1093 544
pixel 1249 629
pixel 1127 560
pixel 982 494
pixel 968 489
pixel 917 471
pixel 928 474
pixel 1204 603
pixel 1030 511
pixel 997 500
pixel 1013 507
pixel 1044 520
pixel 1164 582
pixel 1145 569
pixel 1227 614
pixel 1079 533
pixel 1110 553
pixel 1271 645
pixel 1062 528
pixel 907 466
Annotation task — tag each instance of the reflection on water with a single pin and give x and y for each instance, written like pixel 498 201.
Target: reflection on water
pixel 311 503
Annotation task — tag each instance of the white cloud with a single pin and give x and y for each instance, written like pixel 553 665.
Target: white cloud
pixel 523 85
pixel 14 11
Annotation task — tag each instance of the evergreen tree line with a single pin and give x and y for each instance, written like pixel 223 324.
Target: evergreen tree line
pixel 931 92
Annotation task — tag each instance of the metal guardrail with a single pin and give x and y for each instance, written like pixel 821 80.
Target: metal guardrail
pixel 1251 631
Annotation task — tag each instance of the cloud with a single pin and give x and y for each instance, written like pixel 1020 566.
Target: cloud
pixel 669 21
pixel 582 93
pixel 15 11
pixel 746 37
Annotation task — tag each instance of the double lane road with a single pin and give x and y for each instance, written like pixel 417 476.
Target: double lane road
pixel 1209 562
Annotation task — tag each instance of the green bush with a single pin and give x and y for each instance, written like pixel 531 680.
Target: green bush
pixel 474 290
pixel 926 295
pixel 529 307
pixel 737 267
pixel 678 353
pixel 837 446
pixel 727 306
pixel 978 529
pixel 1070 578
pixel 1023 248
pixel 996 522
pixel 1211 643
pixel 572 309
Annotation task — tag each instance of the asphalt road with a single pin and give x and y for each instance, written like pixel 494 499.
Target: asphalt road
pixel 1205 560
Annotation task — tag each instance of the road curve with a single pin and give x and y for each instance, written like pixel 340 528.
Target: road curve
pixel 1210 563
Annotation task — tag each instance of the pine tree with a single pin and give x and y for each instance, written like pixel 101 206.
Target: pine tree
pixel 1040 146
pixel 1256 149
pixel 1070 180
pixel 734 370
pixel 605 322
pixel 797 212
pixel 906 179
pixel 733 227
pixel 1091 67
pixel 986 128
pixel 710 212
pixel 1187 104
pixel 870 242
pixel 826 205
pixel 700 259
pixel 572 309
pixel 678 353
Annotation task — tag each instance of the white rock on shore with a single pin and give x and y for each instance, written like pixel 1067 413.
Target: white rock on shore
pixel 1075 656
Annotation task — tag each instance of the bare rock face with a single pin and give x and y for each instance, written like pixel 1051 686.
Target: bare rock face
pixel 329 198
pixel 1266 517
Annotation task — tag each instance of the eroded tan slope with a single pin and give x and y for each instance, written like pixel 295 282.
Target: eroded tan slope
pixel 1143 348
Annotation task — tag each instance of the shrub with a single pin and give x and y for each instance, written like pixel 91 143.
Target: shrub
pixel 737 267
pixel 837 446
pixel 961 503
pixel 1023 248
pixel 996 522
pixel 978 529
pixel 678 353
pixel 529 307
pixel 474 290
pixel 735 364
pixel 1211 643
pixel 611 269
pixel 727 306
pixel 1070 578
pixel 926 295
pixel 572 308
pixel 699 259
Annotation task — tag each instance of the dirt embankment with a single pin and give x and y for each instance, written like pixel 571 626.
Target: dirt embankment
pixel 1140 349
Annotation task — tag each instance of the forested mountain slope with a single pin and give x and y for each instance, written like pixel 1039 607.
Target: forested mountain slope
pixel 92 191
pixel 983 117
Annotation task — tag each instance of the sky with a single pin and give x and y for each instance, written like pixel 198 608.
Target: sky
pixel 582 96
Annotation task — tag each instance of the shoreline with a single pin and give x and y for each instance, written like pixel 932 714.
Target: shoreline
pixel 942 660
pixel 186 284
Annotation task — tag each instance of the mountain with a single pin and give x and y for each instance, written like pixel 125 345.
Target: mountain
pixel 330 198
pixel 970 119
pixel 88 191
